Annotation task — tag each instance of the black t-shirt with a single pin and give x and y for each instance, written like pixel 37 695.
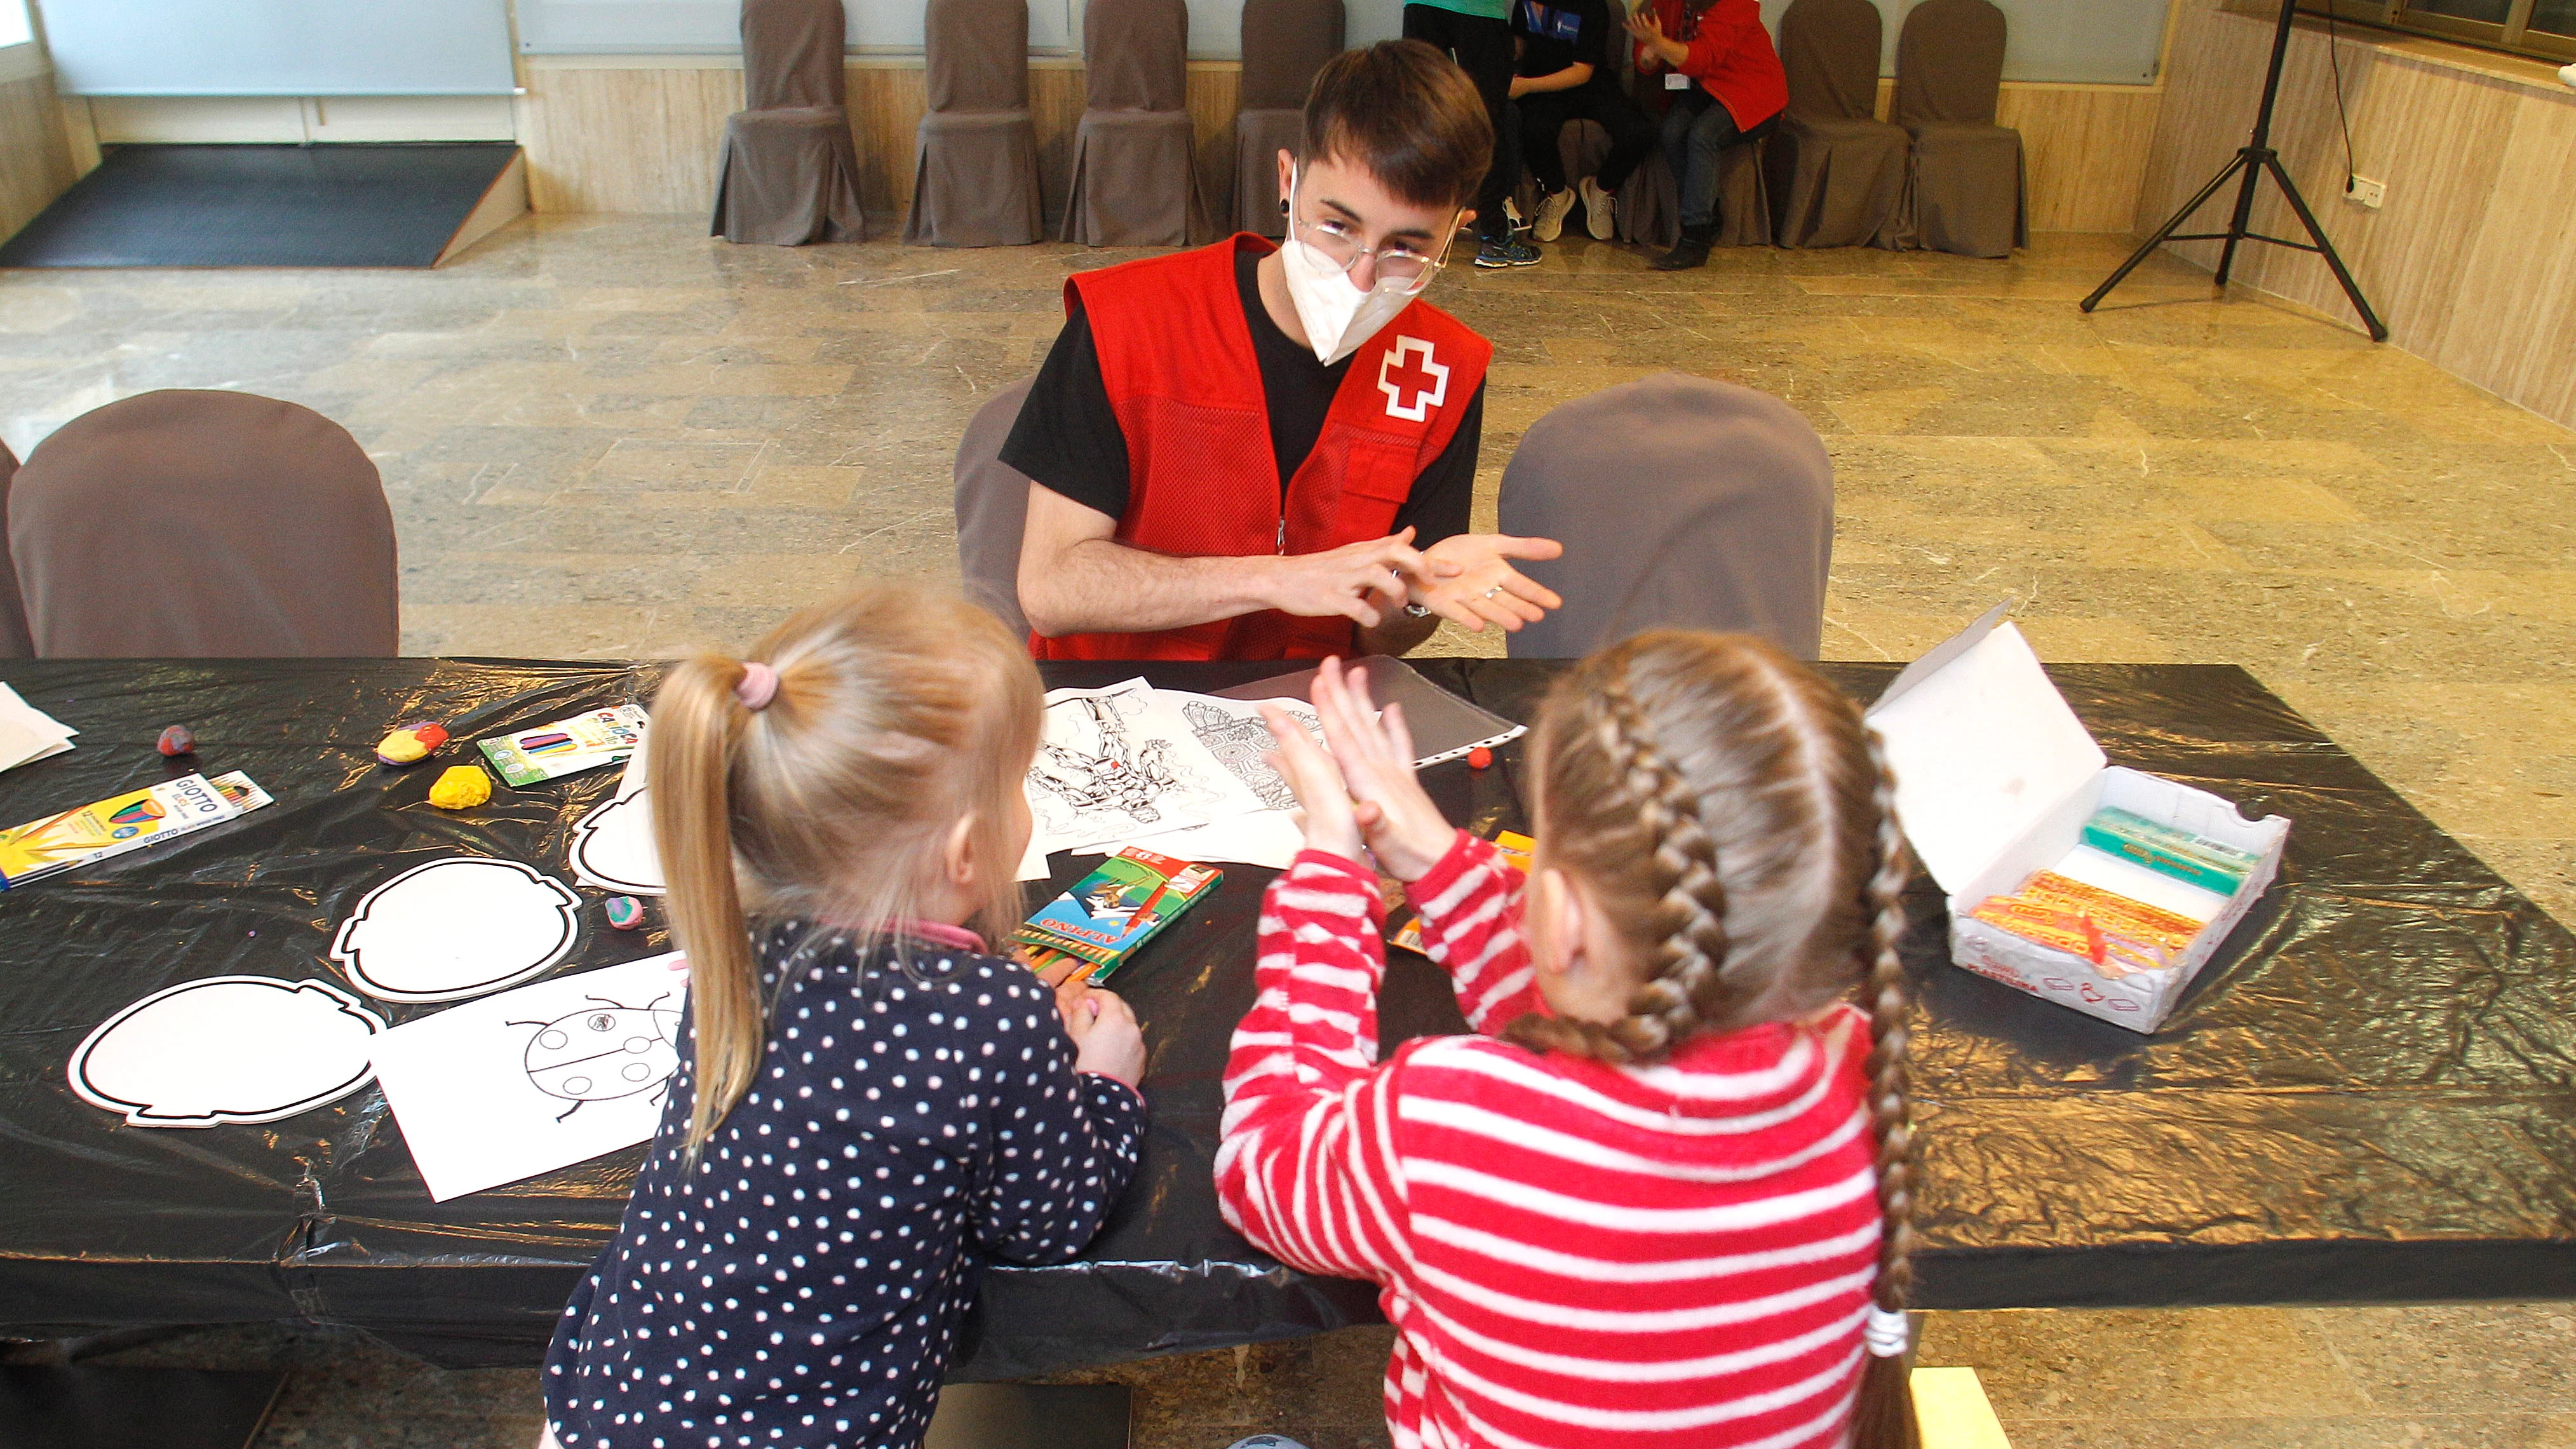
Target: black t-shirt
pixel 1559 33
pixel 1068 436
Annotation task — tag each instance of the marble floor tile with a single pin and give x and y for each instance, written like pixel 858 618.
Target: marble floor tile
pixel 611 436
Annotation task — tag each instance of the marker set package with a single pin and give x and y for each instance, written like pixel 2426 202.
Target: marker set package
pixel 566 747
pixel 121 823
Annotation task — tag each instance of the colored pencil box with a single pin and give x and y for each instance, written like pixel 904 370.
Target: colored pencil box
pixel 566 747
pixel 1117 908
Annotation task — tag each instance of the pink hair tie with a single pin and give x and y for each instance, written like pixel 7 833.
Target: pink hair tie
pixel 758 687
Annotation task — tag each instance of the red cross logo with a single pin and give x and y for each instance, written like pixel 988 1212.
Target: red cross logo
pixel 1425 384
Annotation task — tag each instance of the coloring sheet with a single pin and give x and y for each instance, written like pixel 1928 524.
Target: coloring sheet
pixel 1121 763
pixel 535 1079
pixel 456 928
pixel 227 1049
pixel 1264 837
pixel 612 846
pixel 1234 734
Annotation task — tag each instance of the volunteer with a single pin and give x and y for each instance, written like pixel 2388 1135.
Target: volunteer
pixel 1242 452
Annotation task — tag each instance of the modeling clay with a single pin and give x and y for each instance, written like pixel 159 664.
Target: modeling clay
pixel 1479 757
pixel 412 743
pixel 462 788
pixel 176 740
pixel 624 912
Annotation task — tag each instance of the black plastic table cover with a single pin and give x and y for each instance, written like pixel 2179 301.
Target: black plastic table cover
pixel 2369 1096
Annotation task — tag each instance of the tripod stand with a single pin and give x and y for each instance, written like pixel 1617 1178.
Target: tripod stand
pixel 2255 159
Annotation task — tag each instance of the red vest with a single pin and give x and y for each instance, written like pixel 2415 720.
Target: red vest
pixel 1202 479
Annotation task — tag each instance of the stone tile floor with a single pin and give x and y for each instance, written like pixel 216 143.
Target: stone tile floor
pixel 610 436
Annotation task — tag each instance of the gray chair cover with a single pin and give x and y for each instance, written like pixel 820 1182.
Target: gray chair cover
pixel 1135 157
pixel 1682 502
pixel 992 508
pixel 1967 190
pixel 788 173
pixel 1836 173
pixel 1284 43
pixel 975 173
pixel 271 523
pixel 15 643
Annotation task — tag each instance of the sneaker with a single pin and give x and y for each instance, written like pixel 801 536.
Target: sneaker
pixel 1513 253
pixel 1551 215
pixel 1600 210
pixel 1266 1441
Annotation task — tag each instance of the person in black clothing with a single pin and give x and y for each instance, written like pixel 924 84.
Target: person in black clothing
pixel 1568 71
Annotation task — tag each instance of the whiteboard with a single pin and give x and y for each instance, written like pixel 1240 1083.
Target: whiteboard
pixel 702 27
pixel 2105 42
pixel 280 47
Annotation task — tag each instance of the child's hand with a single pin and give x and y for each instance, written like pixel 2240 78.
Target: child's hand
pixel 1330 826
pixel 1105 1036
pixel 1375 756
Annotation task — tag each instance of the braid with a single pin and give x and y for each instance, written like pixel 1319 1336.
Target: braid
pixel 1686 985
pixel 1883 1416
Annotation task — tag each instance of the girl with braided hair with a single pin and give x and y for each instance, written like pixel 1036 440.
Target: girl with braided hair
pixel 1662 1197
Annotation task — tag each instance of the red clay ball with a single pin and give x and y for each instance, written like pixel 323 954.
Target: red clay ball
pixel 1479 757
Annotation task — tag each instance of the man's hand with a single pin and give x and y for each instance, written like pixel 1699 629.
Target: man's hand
pixel 1648 28
pixel 1362 582
pixel 1472 583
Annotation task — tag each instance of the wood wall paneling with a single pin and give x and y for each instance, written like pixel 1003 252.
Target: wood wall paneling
pixel 2469 262
pixel 35 155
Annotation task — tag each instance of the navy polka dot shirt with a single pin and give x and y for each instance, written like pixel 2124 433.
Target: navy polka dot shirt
pixel 802 1286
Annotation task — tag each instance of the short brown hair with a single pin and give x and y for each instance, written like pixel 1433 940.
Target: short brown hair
pixel 1407 114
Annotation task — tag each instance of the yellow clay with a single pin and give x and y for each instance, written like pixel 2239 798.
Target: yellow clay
pixel 462 787
pixel 402 747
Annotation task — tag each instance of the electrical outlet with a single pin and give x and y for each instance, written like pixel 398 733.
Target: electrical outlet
pixel 2366 191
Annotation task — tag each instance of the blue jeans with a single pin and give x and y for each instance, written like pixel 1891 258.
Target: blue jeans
pixel 1697 130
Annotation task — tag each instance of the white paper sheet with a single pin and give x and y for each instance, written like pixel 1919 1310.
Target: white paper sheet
pixel 456 928
pixel 227 1049
pixel 535 1079
pixel 1120 763
pixel 1264 837
pixel 28 734
pixel 612 846
pixel 1033 861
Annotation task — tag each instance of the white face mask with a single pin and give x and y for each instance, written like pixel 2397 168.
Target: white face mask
pixel 1336 314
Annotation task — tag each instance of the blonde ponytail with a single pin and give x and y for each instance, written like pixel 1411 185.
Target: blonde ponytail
pixel 697 723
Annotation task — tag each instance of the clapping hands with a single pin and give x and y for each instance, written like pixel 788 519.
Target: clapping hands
pixel 1359 788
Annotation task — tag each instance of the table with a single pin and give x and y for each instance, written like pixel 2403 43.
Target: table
pixel 2369 1096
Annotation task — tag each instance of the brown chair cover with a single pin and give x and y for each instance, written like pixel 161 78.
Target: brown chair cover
pixel 788 173
pixel 1967 190
pixel 1682 502
pixel 1135 157
pixel 1836 173
pixel 975 173
pixel 15 643
pixel 1284 43
pixel 204 525
pixel 791 54
pixel 992 508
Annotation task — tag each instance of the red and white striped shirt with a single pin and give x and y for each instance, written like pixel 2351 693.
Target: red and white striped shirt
pixel 1572 1253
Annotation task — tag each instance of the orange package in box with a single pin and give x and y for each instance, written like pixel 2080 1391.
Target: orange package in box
pixel 2113 912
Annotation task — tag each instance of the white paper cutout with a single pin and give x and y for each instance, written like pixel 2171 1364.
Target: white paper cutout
pixel 456 928
pixel 612 846
pixel 535 1079
pixel 227 1049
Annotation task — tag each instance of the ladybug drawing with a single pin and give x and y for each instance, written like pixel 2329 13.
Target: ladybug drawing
pixel 604 1051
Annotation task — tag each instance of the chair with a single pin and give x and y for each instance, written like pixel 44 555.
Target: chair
pixel 992 508
pixel 1836 172
pixel 1682 502
pixel 1284 43
pixel 975 179
pixel 204 525
pixel 1968 189
pixel 1135 162
pixel 789 172
pixel 15 643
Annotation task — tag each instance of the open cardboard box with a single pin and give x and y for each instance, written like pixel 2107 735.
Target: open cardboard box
pixel 1995 778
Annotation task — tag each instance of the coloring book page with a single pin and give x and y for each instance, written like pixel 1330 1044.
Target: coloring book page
pixel 535 1079
pixel 1233 732
pixel 1120 763
pixel 612 846
pixel 456 928
pixel 227 1049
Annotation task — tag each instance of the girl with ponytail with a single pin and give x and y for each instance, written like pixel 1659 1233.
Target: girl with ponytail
pixel 869 1089
pixel 1663 1197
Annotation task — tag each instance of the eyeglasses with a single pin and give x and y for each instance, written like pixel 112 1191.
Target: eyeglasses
pixel 1396 261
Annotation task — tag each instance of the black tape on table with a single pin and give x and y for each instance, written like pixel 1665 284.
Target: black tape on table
pixel 2370 1095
